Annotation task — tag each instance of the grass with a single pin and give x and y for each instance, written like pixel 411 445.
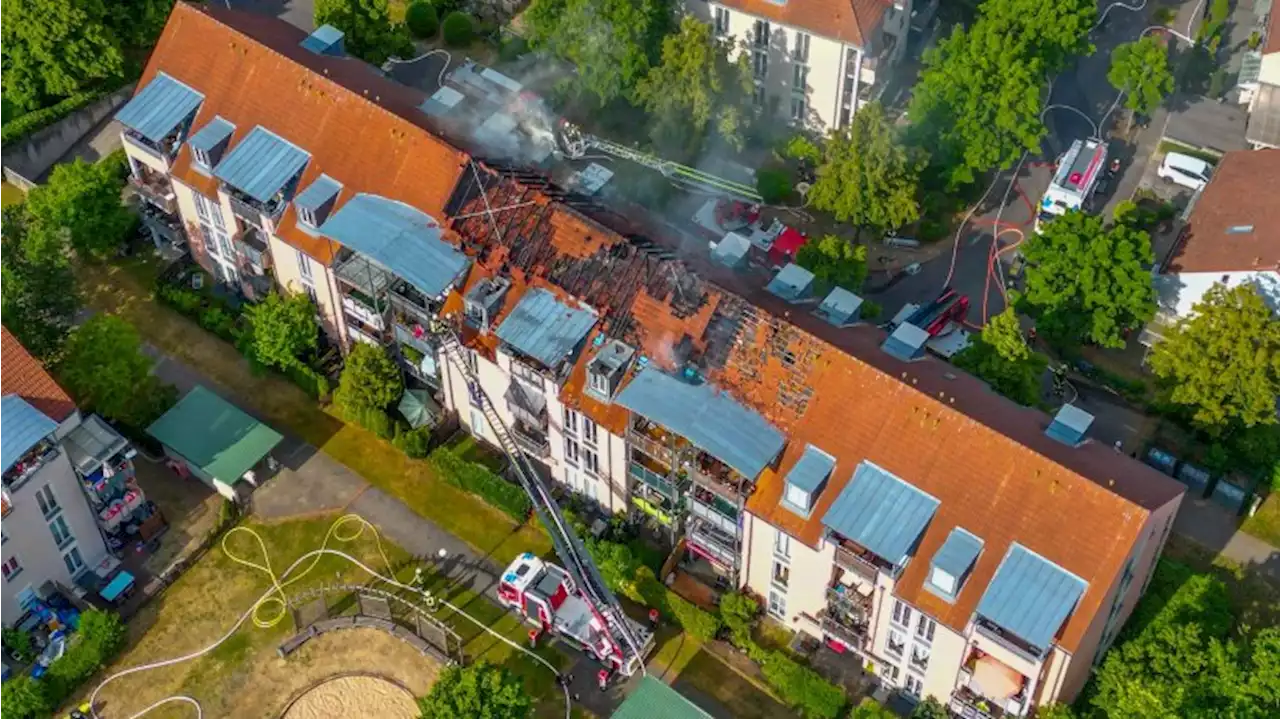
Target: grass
pixel 708 675
pixel 1265 524
pixel 1252 595
pixel 1168 146
pixel 10 194
pixel 125 289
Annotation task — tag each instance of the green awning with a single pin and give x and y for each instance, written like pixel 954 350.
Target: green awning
pixel 654 699
pixel 212 434
pixel 418 408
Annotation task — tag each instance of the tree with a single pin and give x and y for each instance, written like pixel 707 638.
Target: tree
pixel 368 31
pixel 54 48
pixel 83 201
pixel 836 261
pixel 616 562
pixel 1141 69
pixel 930 708
pixel 370 380
pixel 104 368
pixel 1054 31
pixel 1223 361
pixel 40 298
pixel 457 29
pixel 695 85
pixel 283 327
pixel 26 698
pixel 422 19
pixel 1091 283
pixel 478 690
pixel 865 177
pixel 612 43
pixel 1001 357
pixel 869 708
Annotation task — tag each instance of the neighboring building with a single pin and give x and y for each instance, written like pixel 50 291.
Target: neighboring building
pixel 653 699
pixel 814 61
pixel 1260 87
pixel 1232 237
pixel 774 437
pixel 51 535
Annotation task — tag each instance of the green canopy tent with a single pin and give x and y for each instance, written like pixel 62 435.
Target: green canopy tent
pixel 419 409
pixel 653 699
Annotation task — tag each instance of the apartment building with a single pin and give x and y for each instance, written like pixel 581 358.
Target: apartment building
pixel 814 61
pixel 50 532
pixel 886 503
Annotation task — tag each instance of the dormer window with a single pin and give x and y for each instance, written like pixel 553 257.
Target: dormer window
pixel 952 563
pixel 806 480
pixel 307 217
pixel 316 202
pixel 943 580
pixel 607 368
pixel 202 158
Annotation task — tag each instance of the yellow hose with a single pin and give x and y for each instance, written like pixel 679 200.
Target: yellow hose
pixel 276 598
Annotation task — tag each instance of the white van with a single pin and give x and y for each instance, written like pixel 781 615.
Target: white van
pixel 1185 170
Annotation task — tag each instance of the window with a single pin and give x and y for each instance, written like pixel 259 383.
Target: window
pixel 224 244
pixel 894 673
pixel 571 453
pixel 801 51
pixel 475 394
pixel 798 108
pixel 942 580
pixel 920 658
pixel 845 116
pixel 477 422
pixel 61 532
pixel 215 214
pixel 781 574
pixel 571 479
pixel 897 643
pixel 11 568
pixel 306 217
pixel 901 613
pixel 760 65
pixel 797 497
pixel 590 431
pixel 914 685
pixel 304 265
pixel 473 363
pixel 48 503
pixel 800 78
pixel 202 157
pixel 760 34
pixel 757 97
pixel 73 560
pixel 778 605
pixel 722 21
pixel 202 207
pixel 925 628
pixel 570 421
pixel 311 292
pixel 782 544
pixel 599 383
pixel 591 461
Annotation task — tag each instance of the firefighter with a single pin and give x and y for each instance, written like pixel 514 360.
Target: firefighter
pixel 602 678
pixel 653 619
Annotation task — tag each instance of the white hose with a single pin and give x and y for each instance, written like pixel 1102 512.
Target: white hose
pixel 448 60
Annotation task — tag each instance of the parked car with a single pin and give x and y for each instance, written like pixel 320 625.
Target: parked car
pixel 1185 170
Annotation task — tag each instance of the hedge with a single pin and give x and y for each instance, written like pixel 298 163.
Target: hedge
pixel 24 125
pixel 803 688
pixel 415 443
pixel 699 623
pixel 100 637
pixel 311 381
pixel 478 480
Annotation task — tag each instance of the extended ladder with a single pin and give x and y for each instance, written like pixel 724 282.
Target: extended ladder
pixel 577 562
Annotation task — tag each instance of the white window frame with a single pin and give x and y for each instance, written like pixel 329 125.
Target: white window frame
pixel 570 421
pixel 74 567
pixel 898 638
pixel 306 217
pixel 925 628
pixel 799 107
pixel 590 431
pixel 48 501
pixel 942 580
pixel 800 78
pixel 599 383
pixel 720 18
pixel 780 577
pixel 61 531
pixel 794 493
pixel 782 544
pixel 304 266
pixel 801 51
pixel 902 614
pixel 913 685
pixel 760 65
pixel 11 568
pixel 920 651
pixel 758 98
pixel 760 34
pixel 572 452
pixel 201 157
pixel 778 604
pixel 591 461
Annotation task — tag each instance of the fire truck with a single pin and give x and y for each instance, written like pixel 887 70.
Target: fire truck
pixel 1074 180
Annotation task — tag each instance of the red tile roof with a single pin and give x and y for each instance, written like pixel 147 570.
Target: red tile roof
pixel 1273 33
pixel 850 21
pixel 361 128
pixel 23 375
pixel 1242 193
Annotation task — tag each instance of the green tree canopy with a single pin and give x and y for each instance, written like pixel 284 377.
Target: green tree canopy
pixel 284 327
pixel 40 298
pixel 422 19
pixel 1001 357
pixel 865 177
pixel 1091 282
pixel 54 48
pixel 836 261
pixel 930 708
pixel 83 200
pixel 612 43
pixel 1054 31
pixel 1223 361
pixel 104 368
pixel 694 86
pixel 478 690
pixel 370 379
pixel 869 708
pixel 1141 69
pixel 368 31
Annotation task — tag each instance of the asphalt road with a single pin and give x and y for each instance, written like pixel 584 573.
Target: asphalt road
pixel 299 13
pixel 1082 86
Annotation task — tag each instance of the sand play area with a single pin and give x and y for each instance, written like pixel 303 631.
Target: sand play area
pixel 354 697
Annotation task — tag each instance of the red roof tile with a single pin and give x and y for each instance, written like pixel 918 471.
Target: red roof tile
pixel 1242 194
pixel 850 21
pixel 24 376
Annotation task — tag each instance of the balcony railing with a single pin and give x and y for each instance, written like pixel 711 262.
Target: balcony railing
pixel 715 546
pixel 856 563
pixel 30 463
pixel 969 704
pixel 659 483
pixel 166 226
pixel 358 308
pixel 1007 640
pixel 715 512
pixel 732 486
pixel 146 147
pixel 158 193
pixel 851 633
pixel 530 440
pixel 651 447
pixel 407 336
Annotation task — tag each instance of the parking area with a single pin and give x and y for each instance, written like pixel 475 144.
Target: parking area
pixel 1164 189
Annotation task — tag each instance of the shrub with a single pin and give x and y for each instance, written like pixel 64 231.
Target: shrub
pixel 374 419
pixel 101 636
pixel 422 19
pixel 870 310
pixel 802 688
pixel 738 611
pixel 458 29
pixel 774 185
pixel 17 643
pixel 24 698
pixel 311 381
pixel 616 562
pixel 697 622
pixel 475 478
pixel 183 299
pixel 512 48
pixel 218 321
pixel 415 443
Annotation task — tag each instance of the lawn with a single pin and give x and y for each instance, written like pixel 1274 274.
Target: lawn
pixel 1265 524
pixel 1252 595
pixel 10 194
pixel 125 289
pixel 706 676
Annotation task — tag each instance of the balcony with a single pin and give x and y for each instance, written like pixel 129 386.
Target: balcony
pixel 527 405
pixel 165 228
pixel 653 480
pixel 715 510
pixel 858 563
pixel 155 190
pixel 969 704
pixel 162 152
pixel 415 338
pixel 410 305
pixel 26 467
pixel 850 633
pixel 531 440
pixel 717 477
pixel 362 308
pixel 717 547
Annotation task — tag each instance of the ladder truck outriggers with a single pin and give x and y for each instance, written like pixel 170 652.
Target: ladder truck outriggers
pixel 571 602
